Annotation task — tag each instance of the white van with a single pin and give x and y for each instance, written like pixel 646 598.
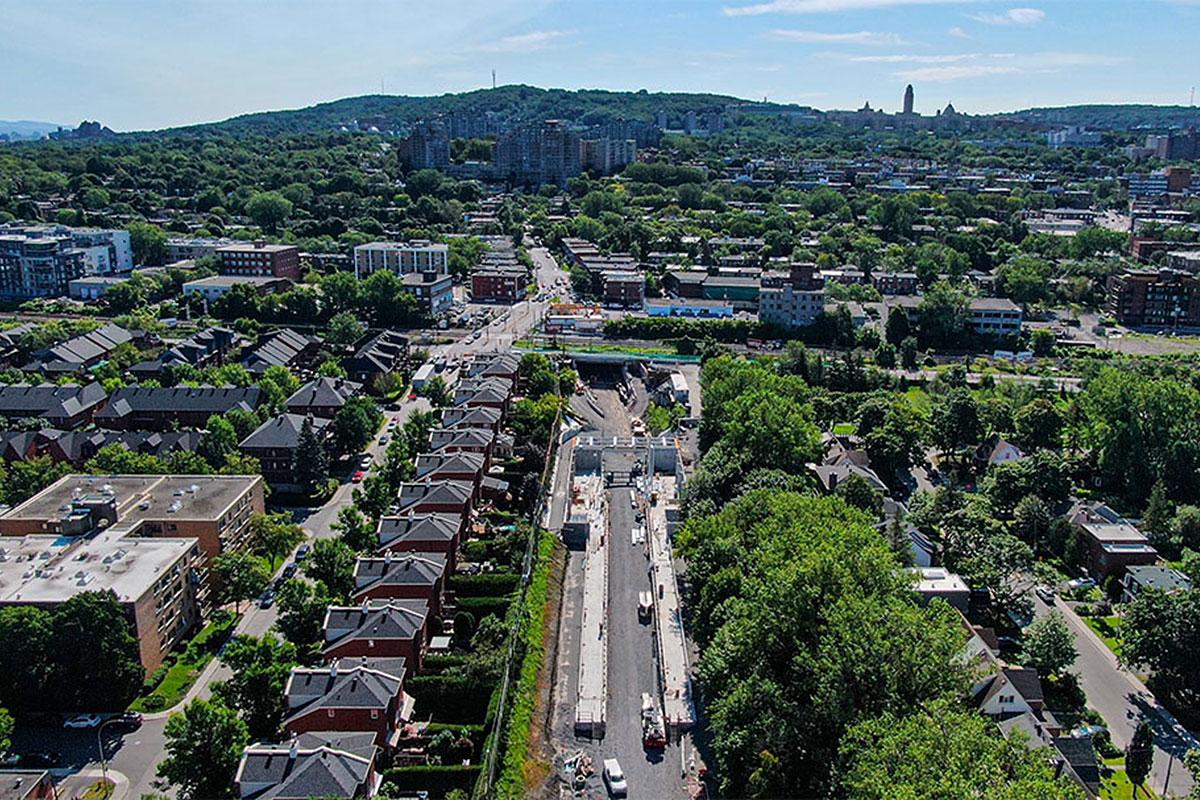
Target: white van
pixel 614 778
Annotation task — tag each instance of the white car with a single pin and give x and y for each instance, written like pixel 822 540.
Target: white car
pixel 614 778
pixel 82 721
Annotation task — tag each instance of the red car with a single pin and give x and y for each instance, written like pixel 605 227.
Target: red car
pixel 357 477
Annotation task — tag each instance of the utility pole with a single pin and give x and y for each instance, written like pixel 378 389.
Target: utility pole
pixel 493 79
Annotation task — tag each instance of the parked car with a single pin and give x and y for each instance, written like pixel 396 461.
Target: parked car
pixel 614 778
pixel 302 552
pixel 42 760
pixel 82 721
pixel 267 600
pixel 130 720
pixel 1081 583
pixel 1088 731
pixel 365 461
pixel 289 570
pixel 1046 594
pixel 357 477
pixel 384 439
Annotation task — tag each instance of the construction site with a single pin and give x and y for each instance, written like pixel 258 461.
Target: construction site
pixel 624 688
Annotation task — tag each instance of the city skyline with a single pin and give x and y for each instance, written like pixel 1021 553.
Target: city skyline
pixel 136 67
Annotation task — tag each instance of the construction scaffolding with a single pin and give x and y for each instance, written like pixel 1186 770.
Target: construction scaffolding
pixel 674 671
pixel 591 701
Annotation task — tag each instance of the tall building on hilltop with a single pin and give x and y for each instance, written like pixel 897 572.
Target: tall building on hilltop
pixel 908 99
pixel 427 146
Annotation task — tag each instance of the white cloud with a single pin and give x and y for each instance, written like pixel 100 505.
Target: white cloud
pixel 941 74
pixel 958 33
pixel 823 6
pixel 1014 16
pixel 819 37
pixel 908 58
pixel 525 42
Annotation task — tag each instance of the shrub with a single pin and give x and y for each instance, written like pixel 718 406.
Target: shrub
pixel 452 699
pixel 154 702
pixel 485 584
pixel 480 607
pixel 438 780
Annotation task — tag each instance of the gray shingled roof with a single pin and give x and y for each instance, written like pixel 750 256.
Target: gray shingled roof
pixel 441 492
pixel 281 432
pixel 430 465
pixel 202 399
pixel 388 619
pixel 48 400
pixel 312 688
pixel 303 772
pixel 400 569
pixel 430 527
pixel 332 392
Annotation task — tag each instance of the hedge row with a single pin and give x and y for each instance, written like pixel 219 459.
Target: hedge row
pixel 480 607
pixel 449 698
pixel 437 780
pixel 511 782
pixel 433 664
pixel 485 584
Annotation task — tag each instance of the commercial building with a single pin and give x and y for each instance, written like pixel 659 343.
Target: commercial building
pixel 794 301
pixel 92 287
pixel 1159 299
pixel 214 287
pixel 497 286
pixel 994 316
pixel 1073 136
pixel 400 258
pixel 624 289
pixel 261 260
pixel 685 307
pixel 427 146
pixel 434 290
pixel 191 249
pixel 214 509
pixel 159 582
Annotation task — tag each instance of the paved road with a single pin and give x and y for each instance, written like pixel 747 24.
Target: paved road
pixel 1123 700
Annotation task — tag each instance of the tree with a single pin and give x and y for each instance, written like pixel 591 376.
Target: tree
pixel 374 495
pixel 1049 646
pixel 1024 280
pixel 268 210
pixel 260 667
pixel 26 657
pixel 302 607
pixel 96 663
pixel 1156 519
pixel 332 563
pixel 1161 633
pixel 858 493
pixel 29 476
pixel 219 441
pixel 204 745
pixel 149 243
pixel 1037 424
pixel 238 576
pixel 355 424
pixel 344 329
pixel 944 314
pixel 355 530
pixel 1139 756
pixel 273 536
pixel 1185 529
pixel 436 392
pixel 908 353
pixel 897 328
pixel 6 730
pixel 311 461
pixel 416 430
pixel 941 752
pixel 955 421
pixel 1042 342
pixel 1031 522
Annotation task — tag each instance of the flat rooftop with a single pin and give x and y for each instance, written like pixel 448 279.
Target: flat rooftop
pixel 53 569
pixel 139 497
pixel 937 579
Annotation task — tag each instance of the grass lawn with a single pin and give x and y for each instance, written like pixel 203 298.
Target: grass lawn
pixel 918 398
pixel 1107 628
pixel 100 790
pixel 1115 785
pixel 188 665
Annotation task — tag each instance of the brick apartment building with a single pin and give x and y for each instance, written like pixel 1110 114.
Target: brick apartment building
pixel 1155 299
pixel 261 260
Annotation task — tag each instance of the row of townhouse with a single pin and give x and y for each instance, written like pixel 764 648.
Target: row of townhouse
pixel 344 720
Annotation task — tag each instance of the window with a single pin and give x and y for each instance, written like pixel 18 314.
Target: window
pixel 374 713
pixel 330 712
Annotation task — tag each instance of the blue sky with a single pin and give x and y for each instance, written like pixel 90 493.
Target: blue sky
pixel 136 64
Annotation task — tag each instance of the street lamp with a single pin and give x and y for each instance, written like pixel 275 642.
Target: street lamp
pixel 100 746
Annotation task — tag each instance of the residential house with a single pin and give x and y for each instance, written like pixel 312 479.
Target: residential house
pixel 506 365
pixel 378 629
pixel 281 348
pixel 384 353
pixel 64 407
pixel 161 409
pixel 463 440
pixel 349 695
pixel 1010 692
pixel 275 444
pixel 445 496
pixel 208 347
pixel 1110 542
pixel 322 764
pixel 429 532
pixel 472 417
pixel 323 397
pixel 462 465
pixel 401 576
pixel 1154 576
pixel 939 583
pixel 80 352
pixel 996 451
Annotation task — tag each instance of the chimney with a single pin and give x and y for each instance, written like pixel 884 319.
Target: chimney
pixel 293 748
pixel 333 668
pixel 366 607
